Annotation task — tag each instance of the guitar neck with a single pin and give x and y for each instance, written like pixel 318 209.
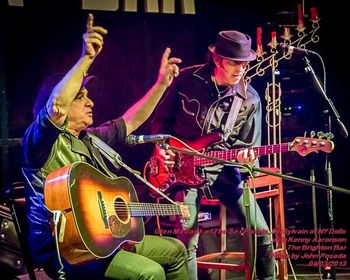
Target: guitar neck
pixel 150 209
pixel 232 154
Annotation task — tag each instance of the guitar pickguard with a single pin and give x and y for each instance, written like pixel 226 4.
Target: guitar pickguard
pixel 118 229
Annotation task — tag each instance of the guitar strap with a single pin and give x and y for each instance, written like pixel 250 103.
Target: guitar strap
pixel 107 151
pixel 232 116
pixel 231 120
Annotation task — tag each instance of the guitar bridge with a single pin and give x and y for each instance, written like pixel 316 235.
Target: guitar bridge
pixel 102 207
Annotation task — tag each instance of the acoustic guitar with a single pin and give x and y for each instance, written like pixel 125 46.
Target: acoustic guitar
pixel 100 213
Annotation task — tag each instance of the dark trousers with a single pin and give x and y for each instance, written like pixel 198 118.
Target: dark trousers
pixel 225 184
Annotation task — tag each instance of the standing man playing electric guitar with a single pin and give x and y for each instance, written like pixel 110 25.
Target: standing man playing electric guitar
pixel 213 97
pixel 59 136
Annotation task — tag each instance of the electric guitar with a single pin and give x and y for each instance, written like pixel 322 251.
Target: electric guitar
pixel 186 170
pixel 100 213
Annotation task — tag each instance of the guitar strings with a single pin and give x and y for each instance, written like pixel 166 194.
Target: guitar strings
pixel 137 207
pixel 228 154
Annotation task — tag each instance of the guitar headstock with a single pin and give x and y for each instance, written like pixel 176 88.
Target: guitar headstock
pixel 304 145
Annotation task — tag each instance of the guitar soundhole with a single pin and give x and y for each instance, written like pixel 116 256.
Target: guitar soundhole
pixel 122 210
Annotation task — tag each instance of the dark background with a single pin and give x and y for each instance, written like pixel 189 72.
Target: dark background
pixel 38 40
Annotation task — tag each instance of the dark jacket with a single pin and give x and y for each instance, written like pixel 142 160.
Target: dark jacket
pixel 46 148
pixel 192 107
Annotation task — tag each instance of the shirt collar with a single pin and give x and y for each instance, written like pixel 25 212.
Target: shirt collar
pixel 204 72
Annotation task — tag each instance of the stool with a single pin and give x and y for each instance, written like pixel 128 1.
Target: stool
pixel 207 261
pixel 267 186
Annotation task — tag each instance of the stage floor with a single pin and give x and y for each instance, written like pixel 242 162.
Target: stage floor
pixel 301 273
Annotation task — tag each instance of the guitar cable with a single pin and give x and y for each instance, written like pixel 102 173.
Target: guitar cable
pixel 57 217
pixel 255 224
pixel 255 227
pixel 250 171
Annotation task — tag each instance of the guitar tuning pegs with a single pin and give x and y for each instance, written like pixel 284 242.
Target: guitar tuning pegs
pixel 320 134
pixel 329 135
pixel 312 134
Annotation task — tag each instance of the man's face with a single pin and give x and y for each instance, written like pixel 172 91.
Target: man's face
pixel 230 72
pixel 80 112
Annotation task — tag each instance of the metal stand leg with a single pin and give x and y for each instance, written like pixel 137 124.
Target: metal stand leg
pixel 249 235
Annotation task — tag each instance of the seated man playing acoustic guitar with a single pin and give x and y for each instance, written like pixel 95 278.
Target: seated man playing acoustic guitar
pixel 59 137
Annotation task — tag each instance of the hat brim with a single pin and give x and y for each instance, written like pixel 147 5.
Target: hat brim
pixel 252 55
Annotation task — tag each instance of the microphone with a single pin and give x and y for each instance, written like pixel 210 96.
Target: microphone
pixel 292 49
pixel 140 139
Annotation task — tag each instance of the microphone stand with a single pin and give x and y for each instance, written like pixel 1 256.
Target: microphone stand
pixel 328 168
pixel 252 169
pixel 309 68
pixel 246 200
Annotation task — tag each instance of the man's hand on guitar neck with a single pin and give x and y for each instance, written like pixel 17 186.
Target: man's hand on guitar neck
pixel 246 156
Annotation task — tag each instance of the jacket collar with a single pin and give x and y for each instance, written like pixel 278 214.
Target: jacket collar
pixel 77 146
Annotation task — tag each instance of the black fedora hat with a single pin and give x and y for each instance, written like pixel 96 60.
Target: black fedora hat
pixel 234 45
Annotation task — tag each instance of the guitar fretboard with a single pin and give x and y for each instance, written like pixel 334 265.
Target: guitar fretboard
pixel 232 154
pixel 137 209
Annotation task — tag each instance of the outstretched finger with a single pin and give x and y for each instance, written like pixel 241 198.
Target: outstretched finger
pixel 174 60
pixel 99 29
pixel 165 57
pixel 90 22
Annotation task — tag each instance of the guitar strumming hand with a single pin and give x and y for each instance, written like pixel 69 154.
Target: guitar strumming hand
pixel 167 169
